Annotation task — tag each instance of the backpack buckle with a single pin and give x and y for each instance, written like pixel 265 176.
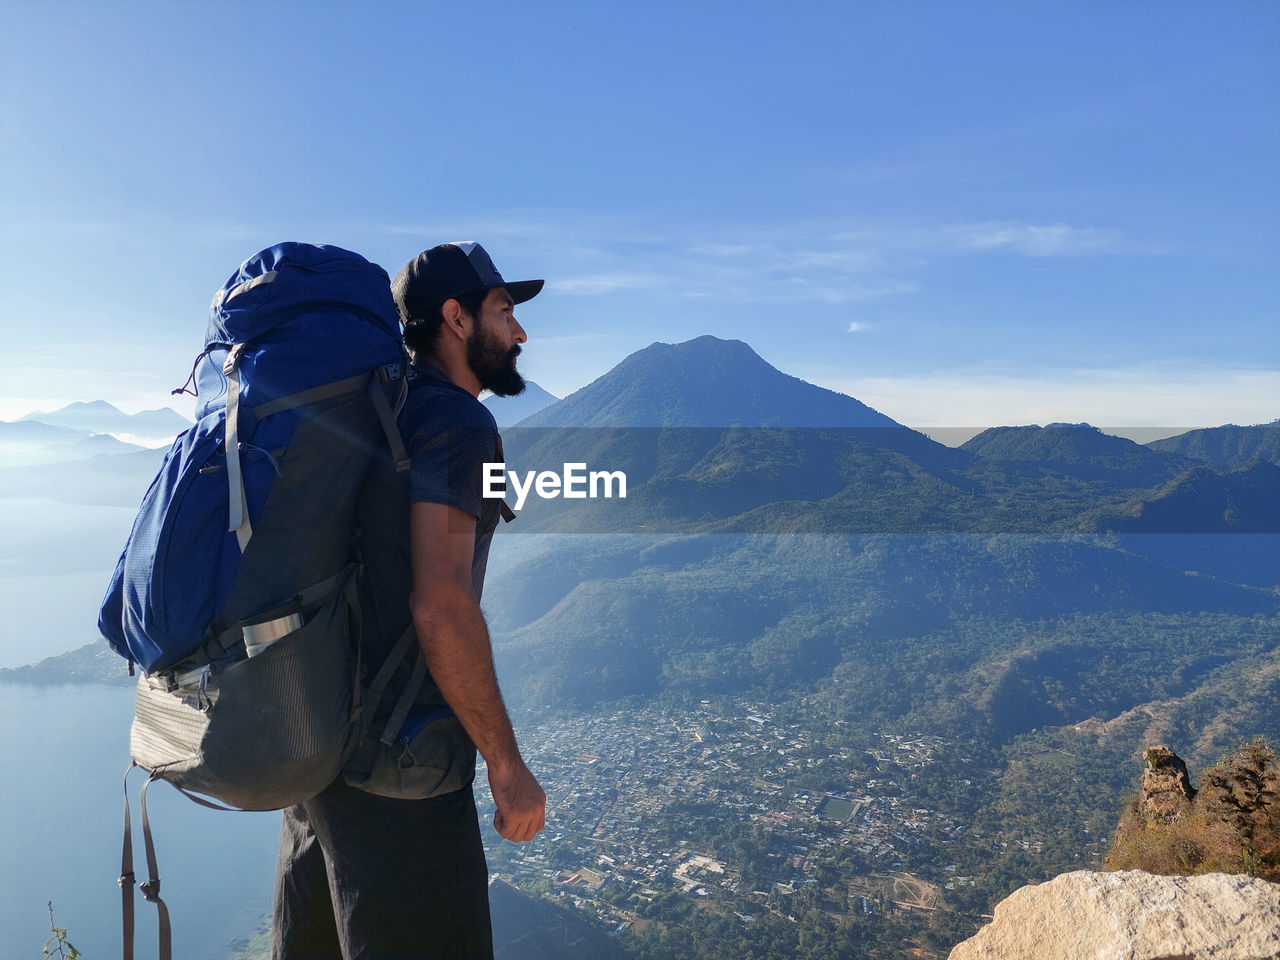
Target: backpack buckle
pixel 233 359
pixel 390 372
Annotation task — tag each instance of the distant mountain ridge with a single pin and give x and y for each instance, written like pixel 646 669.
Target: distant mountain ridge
pixel 1205 501
pixel 1080 450
pixel 30 442
pixel 1067 442
pixel 114 479
pixel 509 410
pixel 712 437
pixel 706 430
pixel 98 416
pixel 706 382
pixel 83 430
pixel 1226 446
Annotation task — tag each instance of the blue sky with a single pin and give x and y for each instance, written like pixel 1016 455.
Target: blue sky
pixel 963 214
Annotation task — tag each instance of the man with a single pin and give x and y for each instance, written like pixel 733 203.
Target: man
pixel 367 875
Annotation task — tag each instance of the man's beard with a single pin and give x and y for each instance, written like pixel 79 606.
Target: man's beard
pixel 494 366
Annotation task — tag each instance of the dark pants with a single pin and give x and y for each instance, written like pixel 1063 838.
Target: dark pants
pixel 368 877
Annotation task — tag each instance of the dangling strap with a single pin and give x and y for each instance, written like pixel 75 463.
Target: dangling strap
pixel 126 880
pixel 239 507
pixel 151 886
pixel 196 798
pixel 191 377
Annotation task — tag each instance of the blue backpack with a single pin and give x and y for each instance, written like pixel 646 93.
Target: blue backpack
pixel 252 506
pixel 236 591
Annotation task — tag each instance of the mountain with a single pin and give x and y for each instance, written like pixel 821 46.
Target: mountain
pixel 587 620
pixel 1226 446
pixel 36 432
pixel 28 441
pixel 713 438
pixel 1071 453
pixel 100 443
pixel 707 431
pixel 93 663
pixel 105 480
pixel 98 416
pixel 85 453
pixel 510 410
pixel 1066 442
pixel 705 382
pixel 1203 500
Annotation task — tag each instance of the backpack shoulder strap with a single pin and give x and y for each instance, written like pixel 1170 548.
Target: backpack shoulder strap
pixel 389 427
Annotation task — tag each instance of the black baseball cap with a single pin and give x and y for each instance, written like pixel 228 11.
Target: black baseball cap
pixel 447 271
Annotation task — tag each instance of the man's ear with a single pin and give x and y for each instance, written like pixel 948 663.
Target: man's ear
pixel 455 318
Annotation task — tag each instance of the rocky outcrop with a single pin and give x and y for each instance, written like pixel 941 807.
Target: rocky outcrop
pixel 1166 785
pixel 1130 915
pixel 1231 825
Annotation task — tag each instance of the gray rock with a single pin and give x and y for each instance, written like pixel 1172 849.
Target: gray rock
pixel 1131 915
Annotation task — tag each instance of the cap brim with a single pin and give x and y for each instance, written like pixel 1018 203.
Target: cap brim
pixel 523 290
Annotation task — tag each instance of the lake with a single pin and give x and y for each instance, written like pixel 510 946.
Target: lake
pixel 66 749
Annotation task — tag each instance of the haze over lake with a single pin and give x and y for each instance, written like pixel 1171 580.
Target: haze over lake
pixel 67 748
pixel 55 561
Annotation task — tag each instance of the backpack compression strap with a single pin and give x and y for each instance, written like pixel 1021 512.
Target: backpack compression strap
pixel 238 518
pixel 362 758
pixel 338 388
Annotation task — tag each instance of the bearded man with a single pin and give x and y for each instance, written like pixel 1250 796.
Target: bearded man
pixel 392 865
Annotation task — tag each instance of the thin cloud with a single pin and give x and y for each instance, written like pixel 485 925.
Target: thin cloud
pixel 867 262
pixel 1021 239
pixel 818 261
pixel 1142 396
pixel 725 249
pixel 569 338
pixel 602 283
pixel 1029 239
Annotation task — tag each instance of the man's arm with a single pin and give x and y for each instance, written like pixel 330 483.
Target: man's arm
pixel 456 644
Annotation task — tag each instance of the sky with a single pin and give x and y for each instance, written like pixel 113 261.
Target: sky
pixel 963 214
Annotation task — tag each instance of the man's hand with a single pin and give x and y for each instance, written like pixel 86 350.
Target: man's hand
pixel 522 804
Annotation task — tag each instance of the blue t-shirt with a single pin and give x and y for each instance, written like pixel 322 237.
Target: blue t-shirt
pixel 449 436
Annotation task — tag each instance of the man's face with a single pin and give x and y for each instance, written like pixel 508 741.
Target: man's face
pixel 494 344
